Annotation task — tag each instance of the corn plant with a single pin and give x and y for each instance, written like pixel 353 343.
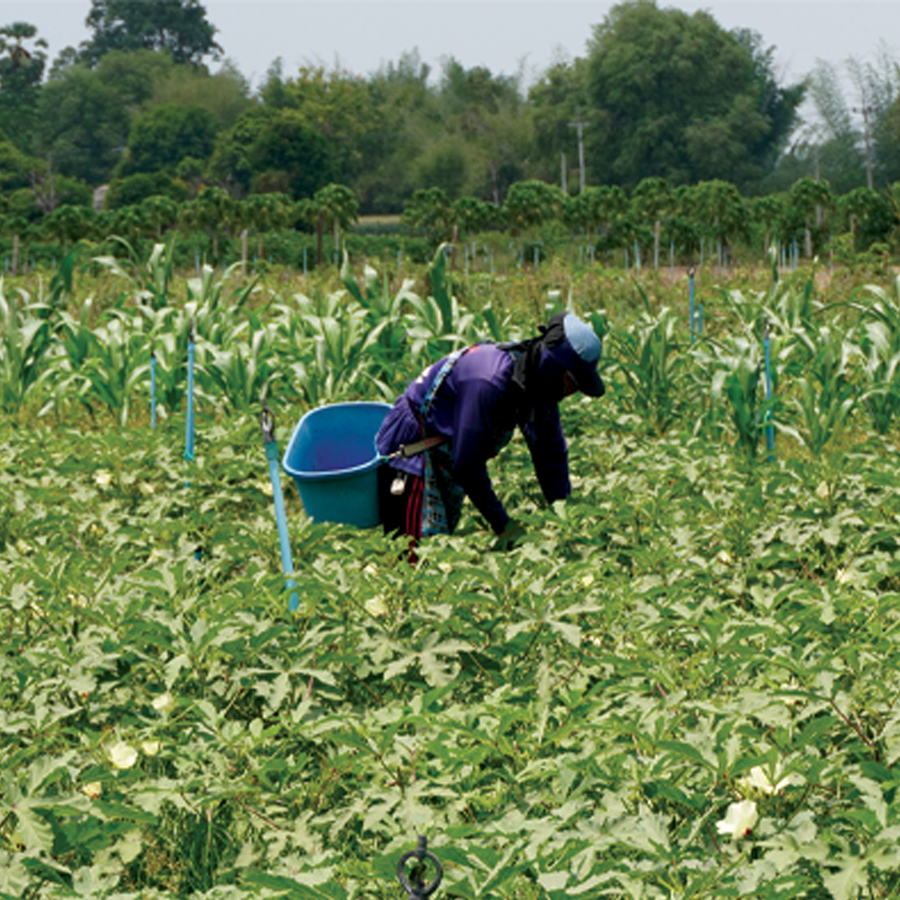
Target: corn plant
pixel 168 334
pixel 245 370
pixel 75 343
pixel 214 316
pixel 825 394
pixel 438 324
pixel 118 366
pixel 648 357
pixel 384 310
pixel 26 336
pixel 104 366
pixel 820 415
pixel 738 379
pixel 878 337
pixel 789 306
pixel 150 282
pixel 331 350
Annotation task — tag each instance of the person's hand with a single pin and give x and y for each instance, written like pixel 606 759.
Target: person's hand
pixel 510 537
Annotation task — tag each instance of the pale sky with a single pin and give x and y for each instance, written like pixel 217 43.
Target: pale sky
pixel 503 35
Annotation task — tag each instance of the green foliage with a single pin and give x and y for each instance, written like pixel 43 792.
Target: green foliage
pixel 271 150
pixel 177 26
pixel 529 204
pixel 574 716
pixel 879 344
pixel 26 338
pixel 161 138
pixel 682 681
pixel 648 358
pixel 431 212
pixel 21 72
pixel 83 118
pixel 647 64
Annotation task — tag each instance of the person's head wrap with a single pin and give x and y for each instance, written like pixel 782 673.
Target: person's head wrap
pixel 574 345
pixel 565 344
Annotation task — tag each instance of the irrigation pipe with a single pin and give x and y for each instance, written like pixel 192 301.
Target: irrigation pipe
pixel 189 425
pixel 691 300
pixel 267 424
pixel 153 389
pixel 770 430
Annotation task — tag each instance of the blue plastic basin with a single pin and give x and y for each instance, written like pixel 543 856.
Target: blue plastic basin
pixel 332 459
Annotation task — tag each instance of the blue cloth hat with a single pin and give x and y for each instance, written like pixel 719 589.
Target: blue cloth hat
pixel 575 346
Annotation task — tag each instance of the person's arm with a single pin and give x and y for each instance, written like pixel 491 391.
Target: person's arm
pixel 474 420
pixel 549 453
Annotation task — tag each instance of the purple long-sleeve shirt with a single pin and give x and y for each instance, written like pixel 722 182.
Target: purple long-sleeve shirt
pixel 472 408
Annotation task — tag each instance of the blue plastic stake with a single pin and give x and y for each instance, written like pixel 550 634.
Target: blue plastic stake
pixel 189 427
pixel 267 423
pixel 691 299
pixel 770 429
pixel 153 389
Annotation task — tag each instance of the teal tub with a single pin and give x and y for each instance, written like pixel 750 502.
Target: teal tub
pixel 332 459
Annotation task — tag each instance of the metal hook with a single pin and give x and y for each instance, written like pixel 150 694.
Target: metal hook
pixel 267 423
pixel 419 891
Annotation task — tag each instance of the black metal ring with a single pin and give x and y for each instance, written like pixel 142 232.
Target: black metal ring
pixel 421 852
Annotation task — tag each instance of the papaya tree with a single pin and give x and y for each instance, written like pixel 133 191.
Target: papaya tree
pixel 651 202
pixel 809 199
pixel 334 206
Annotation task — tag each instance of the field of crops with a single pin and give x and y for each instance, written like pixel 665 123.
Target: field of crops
pixel 683 683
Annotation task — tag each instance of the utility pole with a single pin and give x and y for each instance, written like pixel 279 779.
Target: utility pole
pixel 579 127
pixel 865 110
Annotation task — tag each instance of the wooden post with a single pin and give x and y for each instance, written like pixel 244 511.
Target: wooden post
pixel 15 259
pixel 244 235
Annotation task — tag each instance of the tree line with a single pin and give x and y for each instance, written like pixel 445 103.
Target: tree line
pixel 661 97
pixel 657 222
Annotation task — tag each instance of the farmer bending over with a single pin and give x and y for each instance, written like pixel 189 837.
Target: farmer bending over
pixel 474 399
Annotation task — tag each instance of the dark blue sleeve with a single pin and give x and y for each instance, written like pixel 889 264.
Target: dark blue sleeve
pixel 474 416
pixel 549 453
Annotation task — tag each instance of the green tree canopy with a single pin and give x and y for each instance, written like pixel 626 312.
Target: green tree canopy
pixel 179 26
pixel 85 114
pixel 225 93
pixel 83 124
pixel 430 211
pixel 557 100
pixel 14 166
pixel 22 61
pixel 164 136
pixel 529 204
pixel 273 150
pixel 676 96
pixel 487 119
pixel 134 189
pixel 406 110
